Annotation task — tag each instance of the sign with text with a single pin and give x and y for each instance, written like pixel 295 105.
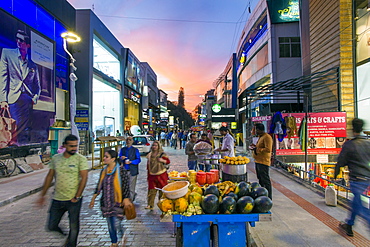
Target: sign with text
pixel 326 133
pixel 82 119
pixel 283 10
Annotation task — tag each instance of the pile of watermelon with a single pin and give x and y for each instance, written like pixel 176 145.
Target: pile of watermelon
pixel 247 198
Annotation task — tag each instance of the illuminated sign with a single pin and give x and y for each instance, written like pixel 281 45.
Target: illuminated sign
pixel 216 108
pixel 171 120
pixel 233 125
pixel 283 10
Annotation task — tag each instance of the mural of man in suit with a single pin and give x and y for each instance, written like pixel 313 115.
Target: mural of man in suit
pixel 19 85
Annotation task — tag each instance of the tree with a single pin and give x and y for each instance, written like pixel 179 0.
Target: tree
pixel 180 112
pixel 181 100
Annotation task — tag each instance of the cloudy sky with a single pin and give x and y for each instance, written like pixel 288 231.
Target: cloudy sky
pixel 186 42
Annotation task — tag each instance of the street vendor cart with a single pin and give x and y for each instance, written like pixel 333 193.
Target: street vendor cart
pixel 215 229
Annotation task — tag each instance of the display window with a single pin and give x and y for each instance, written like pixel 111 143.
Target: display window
pixel 106 60
pixel 106 108
pixel 132 110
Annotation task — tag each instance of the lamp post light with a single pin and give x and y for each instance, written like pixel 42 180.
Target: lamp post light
pixel 73 38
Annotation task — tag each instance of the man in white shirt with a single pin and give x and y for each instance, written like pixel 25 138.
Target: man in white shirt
pixel 228 141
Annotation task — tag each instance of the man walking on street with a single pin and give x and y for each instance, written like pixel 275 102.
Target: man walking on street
pixel 356 155
pixel 189 151
pixel 262 157
pixel 131 159
pixel 70 170
pixel 162 137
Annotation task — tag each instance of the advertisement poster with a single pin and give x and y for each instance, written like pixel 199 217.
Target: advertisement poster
pixel 27 89
pixel 326 134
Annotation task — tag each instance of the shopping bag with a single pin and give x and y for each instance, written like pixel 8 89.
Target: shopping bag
pixel 8 128
pixel 130 211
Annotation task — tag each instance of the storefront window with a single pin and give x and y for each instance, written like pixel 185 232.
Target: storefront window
pixel 131 113
pixel 259 61
pixel 363 61
pixel 106 60
pixel 106 108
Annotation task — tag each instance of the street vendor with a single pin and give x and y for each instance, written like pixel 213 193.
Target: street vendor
pixel 228 143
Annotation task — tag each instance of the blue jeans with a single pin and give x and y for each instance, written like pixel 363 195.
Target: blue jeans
pixel 112 229
pixel 183 144
pixel 358 188
pixel 56 212
pixel 192 164
pixel 205 168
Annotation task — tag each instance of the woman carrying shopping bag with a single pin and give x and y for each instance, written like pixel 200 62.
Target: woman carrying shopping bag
pixel 158 163
pixel 114 185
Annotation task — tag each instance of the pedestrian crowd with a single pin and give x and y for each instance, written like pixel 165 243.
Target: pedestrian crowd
pixel 117 181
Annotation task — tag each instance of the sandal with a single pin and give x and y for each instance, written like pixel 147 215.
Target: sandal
pixel 149 207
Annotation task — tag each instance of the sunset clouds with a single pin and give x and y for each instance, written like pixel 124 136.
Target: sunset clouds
pixel 181 52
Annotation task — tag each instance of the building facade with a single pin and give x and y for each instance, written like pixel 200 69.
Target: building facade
pixel 134 86
pixel 100 59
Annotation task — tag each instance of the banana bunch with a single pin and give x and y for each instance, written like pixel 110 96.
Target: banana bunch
pixel 226 187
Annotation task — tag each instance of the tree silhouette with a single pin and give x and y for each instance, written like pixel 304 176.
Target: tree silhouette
pixel 180 113
pixel 181 99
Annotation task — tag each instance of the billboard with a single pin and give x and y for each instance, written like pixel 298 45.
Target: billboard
pixel 326 134
pixel 27 88
pixel 283 10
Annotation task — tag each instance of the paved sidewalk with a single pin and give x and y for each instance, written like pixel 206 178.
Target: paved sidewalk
pixel 299 215
pixel 21 185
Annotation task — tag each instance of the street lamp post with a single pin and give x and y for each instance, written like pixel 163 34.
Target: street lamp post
pixel 73 38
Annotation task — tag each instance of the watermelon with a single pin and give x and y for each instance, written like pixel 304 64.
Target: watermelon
pixel 260 191
pixel 212 189
pixel 243 189
pixel 228 205
pixel 232 194
pixel 262 204
pixel 245 205
pixel 254 185
pixel 210 204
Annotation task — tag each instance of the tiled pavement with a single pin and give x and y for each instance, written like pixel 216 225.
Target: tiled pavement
pixel 23 224
pixel 299 216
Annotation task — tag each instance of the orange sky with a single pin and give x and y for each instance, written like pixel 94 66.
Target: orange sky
pixel 182 53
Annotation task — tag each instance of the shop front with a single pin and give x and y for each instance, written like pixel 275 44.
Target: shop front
pixel 313 149
pixel 134 87
pixel 106 108
pixel 363 61
pixel 132 108
pixel 106 93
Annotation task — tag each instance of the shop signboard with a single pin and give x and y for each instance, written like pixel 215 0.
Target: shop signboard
pixel 225 115
pixel 82 119
pixel 283 10
pixel 28 87
pixel 326 134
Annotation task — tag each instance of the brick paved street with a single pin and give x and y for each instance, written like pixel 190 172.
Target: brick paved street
pixel 22 224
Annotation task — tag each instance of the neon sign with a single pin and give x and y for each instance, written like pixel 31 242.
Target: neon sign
pixel 283 10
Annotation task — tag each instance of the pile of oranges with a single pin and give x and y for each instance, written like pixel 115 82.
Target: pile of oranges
pixel 240 160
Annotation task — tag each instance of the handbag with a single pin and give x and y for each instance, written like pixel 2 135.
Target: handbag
pixel 8 128
pixel 130 211
pixel 165 165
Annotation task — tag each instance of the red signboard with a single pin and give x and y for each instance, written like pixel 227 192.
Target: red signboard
pixel 326 134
